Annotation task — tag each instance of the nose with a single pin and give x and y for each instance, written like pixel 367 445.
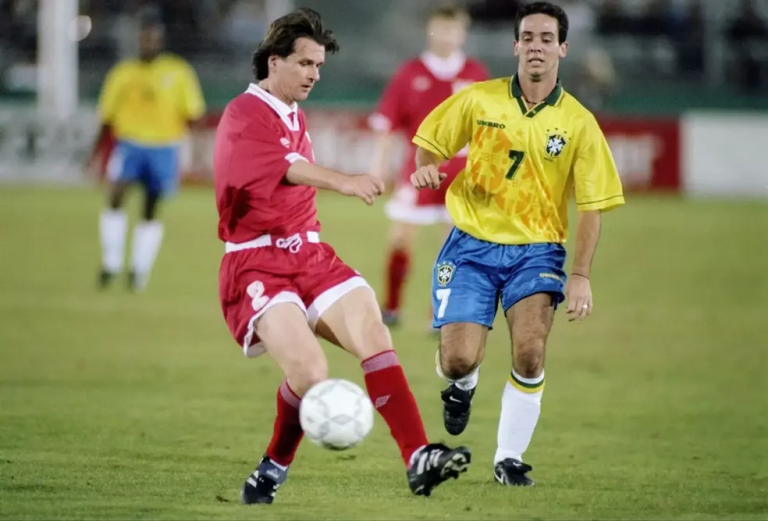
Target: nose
pixel 314 74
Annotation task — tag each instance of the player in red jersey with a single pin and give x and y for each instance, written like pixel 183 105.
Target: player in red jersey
pixel 279 284
pixel 419 86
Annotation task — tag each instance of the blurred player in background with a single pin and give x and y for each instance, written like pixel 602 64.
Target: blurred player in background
pixel 532 144
pixel 279 284
pixel 418 87
pixel 147 104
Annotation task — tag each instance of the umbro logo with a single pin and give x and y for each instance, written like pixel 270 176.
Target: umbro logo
pixel 492 124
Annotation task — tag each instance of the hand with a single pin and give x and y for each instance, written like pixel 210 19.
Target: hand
pixel 92 165
pixel 364 186
pixel 427 177
pixel 578 292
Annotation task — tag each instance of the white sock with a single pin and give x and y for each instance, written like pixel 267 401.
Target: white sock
pixel 465 383
pixel 147 238
pixel 520 409
pixel 113 226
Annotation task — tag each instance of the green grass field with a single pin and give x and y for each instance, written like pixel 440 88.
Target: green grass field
pixel 114 405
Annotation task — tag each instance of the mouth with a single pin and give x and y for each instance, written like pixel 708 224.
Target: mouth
pixel 536 61
pixel 307 87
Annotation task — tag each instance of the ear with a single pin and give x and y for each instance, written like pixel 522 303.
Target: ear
pixel 517 48
pixel 272 61
pixel 563 49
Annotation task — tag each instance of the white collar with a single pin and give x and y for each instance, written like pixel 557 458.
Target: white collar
pixel 444 68
pixel 281 108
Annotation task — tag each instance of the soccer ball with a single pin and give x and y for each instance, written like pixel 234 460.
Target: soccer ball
pixel 336 414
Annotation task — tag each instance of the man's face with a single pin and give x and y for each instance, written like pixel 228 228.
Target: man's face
pixel 151 42
pixel 446 36
pixel 538 47
pixel 297 73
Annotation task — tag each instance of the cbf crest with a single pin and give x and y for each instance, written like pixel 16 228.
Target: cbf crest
pixel 556 141
pixel 445 271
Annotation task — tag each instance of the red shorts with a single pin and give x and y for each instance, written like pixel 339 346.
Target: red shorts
pixel 298 269
pixel 427 206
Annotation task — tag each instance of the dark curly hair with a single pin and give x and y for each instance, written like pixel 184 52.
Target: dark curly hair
pixel 283 33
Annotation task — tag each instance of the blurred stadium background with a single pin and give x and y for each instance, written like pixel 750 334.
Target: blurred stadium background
pixel 140 406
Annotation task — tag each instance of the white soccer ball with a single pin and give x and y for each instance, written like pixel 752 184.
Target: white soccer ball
pixel 336 414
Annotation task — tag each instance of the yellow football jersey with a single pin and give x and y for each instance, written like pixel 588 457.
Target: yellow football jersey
pixel 523 162
pixel 151 103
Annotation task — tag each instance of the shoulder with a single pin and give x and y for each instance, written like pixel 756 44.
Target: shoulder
pixel 583 117
pixel 408 69
pixel 249 112
pixel 476 69
pixel 488 88
pixel 124 67
pixel 174 62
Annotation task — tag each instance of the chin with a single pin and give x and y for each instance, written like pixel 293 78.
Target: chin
pixel 536 76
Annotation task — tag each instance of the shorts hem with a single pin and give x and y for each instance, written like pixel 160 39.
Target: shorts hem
pixel 329 297
pixel 258 349
pixel 557 297
pixel 443 322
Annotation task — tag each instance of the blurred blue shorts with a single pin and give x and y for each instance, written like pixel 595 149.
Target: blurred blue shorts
pixel 156 168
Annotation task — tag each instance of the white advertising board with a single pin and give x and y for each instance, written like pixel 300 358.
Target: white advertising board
pixel 722 154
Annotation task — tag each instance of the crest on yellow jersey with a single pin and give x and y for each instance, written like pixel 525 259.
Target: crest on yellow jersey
pixel 555 144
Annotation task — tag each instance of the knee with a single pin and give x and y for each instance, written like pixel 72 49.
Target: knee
pixel 377 340
pixel 529 357
pixel 306 374
pixel 455 365
pixel 402 236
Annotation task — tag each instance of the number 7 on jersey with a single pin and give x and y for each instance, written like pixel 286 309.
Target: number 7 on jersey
pixel 517 159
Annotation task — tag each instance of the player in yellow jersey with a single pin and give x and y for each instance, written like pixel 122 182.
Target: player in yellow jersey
pixel 148 104
pixel 531 145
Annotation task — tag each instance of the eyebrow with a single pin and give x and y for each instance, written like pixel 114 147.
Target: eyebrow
pixel 544 33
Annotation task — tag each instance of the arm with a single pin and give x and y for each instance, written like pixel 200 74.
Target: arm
pixel 302 172
pixel 193 103
pixel 444 132
pixel 107 107
pixel 381 154
pixel 389 117
pixel 598 189
pixel 587 234
pixel 426 158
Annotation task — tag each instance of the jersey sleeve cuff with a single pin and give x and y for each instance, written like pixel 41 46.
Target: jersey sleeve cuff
pixel 427 145
pixel 603 204
pixel 379 122
pixel 293 157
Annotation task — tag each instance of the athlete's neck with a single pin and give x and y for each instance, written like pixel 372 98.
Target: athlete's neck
pixel 536 91
pixel 276 92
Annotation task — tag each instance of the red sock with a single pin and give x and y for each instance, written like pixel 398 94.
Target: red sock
pixel 287 433
pixel 392 397
pixel 397 271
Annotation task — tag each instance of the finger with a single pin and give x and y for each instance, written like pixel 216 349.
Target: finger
pixel 571 303
pixel 379 185
pixel 443 176
pixel 575 309
pixel 582 310
pixel 434 180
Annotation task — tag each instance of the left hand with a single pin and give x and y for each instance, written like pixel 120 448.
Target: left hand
pixel 578 292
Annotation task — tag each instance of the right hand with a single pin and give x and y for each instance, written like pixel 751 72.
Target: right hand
pixel 427 177
pixel 364 186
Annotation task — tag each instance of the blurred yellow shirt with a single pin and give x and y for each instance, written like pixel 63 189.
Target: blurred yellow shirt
pixel 523 163
pixel 151 103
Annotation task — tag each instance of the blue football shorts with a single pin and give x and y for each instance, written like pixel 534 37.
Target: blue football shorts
pixel 156 168
pixel 472 276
